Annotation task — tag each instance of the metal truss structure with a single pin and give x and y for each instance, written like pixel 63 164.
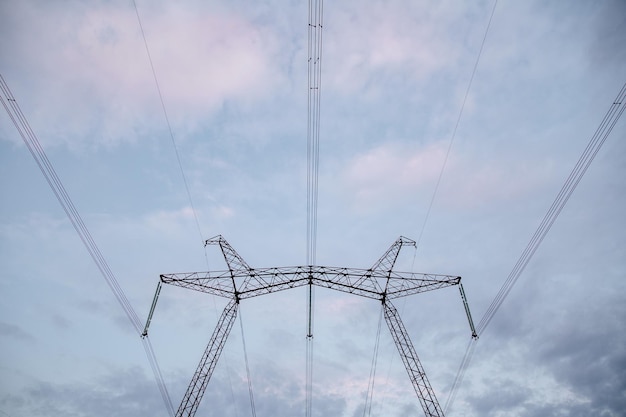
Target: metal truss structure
pixel 380 282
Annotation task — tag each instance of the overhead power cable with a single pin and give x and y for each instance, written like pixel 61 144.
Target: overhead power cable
pixel 607 124
pixel 313 123
pixel 316 9
pixel 180 166
pixel 443 167
pixel 467 357
pixel 369 396
pixel 456 126
pixel 175 147
pixel 56 185
pixel 156 370
pixel 599 137
pixel 169 126
pixel 245 354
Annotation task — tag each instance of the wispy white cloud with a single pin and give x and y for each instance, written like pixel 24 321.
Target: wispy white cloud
pixel 388 172
pixel 367 42
pixel 93 58
pixel 392 173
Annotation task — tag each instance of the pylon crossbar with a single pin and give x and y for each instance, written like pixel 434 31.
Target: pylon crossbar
pixel 363 282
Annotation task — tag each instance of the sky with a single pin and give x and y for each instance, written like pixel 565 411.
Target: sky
pixel 233 79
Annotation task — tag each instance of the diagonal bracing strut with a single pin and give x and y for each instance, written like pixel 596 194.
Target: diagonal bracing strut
pixel 197 386
pixel 414 368
pixel 380 282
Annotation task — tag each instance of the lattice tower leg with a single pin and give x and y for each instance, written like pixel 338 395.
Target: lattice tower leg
pixel 198 384
pixel 412 364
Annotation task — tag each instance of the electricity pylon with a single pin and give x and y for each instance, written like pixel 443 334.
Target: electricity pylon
pixel 240 281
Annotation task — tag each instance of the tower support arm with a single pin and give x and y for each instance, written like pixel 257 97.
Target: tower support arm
pixel 218 283
pixel 414 368
pixel 260 281
pixel 201 377
pixel 401 284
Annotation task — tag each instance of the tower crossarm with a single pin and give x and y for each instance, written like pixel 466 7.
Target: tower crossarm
pixel 367 283
pixel 363 282
pixel 401 284
pixel 218 283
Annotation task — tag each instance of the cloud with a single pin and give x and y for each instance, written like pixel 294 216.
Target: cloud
pixel 478 181
pixel 364 43
pixel 16 332
pixel 583 351
pixel 389 171
pixel 121 393
pixel 604 49
pixel 394 173
pixel 210 56
pixel 566 341
pixel 169 223
pixel 94 80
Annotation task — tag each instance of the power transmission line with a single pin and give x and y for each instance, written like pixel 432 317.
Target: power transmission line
pixel 472 341
pixel 316 9
pixel 182 173
pixel 467 357
pixel 597 140
pixel 369 396
pixel 456 126
pixel 56 185
pixel 167 121
pixel 313 122
pixel 245 354
pixel 593 147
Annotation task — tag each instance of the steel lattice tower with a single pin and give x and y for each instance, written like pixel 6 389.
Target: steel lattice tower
pixel 240 281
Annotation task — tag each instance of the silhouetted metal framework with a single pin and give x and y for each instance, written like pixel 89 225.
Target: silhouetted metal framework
pixel 380 282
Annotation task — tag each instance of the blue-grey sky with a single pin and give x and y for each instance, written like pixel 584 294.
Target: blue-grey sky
pixel 233 78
